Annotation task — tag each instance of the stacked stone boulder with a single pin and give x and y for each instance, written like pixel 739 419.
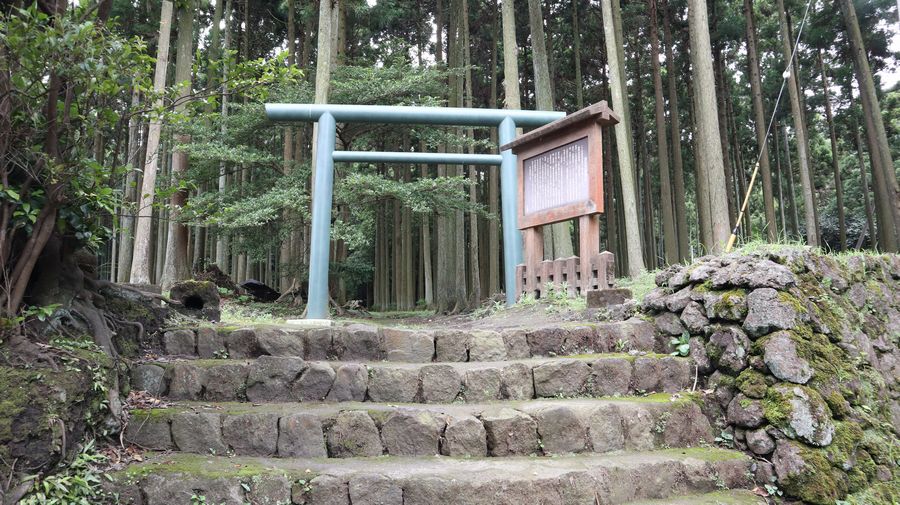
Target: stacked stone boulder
pixel 798 354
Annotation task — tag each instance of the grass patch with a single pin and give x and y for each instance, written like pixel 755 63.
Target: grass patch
pixel 639 286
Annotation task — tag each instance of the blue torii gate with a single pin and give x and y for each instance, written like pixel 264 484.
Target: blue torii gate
pixel 327 116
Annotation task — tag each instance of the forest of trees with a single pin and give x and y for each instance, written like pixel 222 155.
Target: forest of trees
pixel 137 128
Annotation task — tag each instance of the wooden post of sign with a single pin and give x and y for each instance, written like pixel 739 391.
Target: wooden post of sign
pixel 560 169
pixel 588 248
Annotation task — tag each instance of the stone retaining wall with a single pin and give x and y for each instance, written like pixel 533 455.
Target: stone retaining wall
pixel 800 355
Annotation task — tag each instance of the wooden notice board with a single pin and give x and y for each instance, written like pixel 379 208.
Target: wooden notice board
pixel 560 178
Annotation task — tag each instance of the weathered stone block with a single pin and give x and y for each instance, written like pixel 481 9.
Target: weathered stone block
pixel 358 342
pixel 451 345
pixel 440 383
pixel 185 381
pixel 560 378
pixel 487 346
pixel 314 383
pixel 464 436
pixel 610 377
pixel 371 489
pixel 271 378
pixel 226 382
pixel 350 384
pixel 412 433
pixel 603 298
pixel 516 382
pixel 353 434
pixel 242 343
pixel 251 434
pixel 561 430
pixel 149 378
pixel 149 431
pixel 510 433
pixel 198 432
pixel 277 342
pixel 482 384
pixel 210 343
pixel 301 436
pixel 409 346
pixel 390 384
pixel 180 342
pixel 605 429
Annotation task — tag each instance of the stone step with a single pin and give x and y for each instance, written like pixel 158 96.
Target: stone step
pixel 358 342
pixel 499 429
pixel 727 497
pixel 273 379
pixel 167 479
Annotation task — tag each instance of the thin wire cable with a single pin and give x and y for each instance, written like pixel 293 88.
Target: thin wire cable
pixel 785 76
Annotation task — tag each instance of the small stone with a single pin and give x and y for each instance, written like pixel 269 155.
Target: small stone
pixel 389 384
pixel 674 374
pixel 744 412
pixel 728 305
pixel 409 346
pixel 516 343
pixel 560 378
pixel 350 384
pixel 198 433
pixel 801 413
pixel 149 378
pixel 451 345
pixel 699 356
pixel 679 300
pixel 510 433
pixel 371 489
pixel 638 424
pixel 314 383
pixel 561 430
pixel 358 342
pixel 210 343
pixel 226 382
pixel 516 382
pixel 780 355
pixel 242 343
pixel 185 381
pixel 300 436
pixel 759 442
pixel 275 342
pixel 669 323
pixel 790 463
pixel 464 436
pixel 603 298
pixel 353 434
pixel 317 344
pixel 729 347
pixel 685 426
pixel 606 431
pixel 482 384
pixel 321 490
pixel 693 318
pixel 251 434
pixel 769 311
pixel 271 378
pixel 149 432
pixel 610 377
pixel 412 433
pixel 440 383
pixel 646 374
pixel 662 277
pixel 180 342
pixel 753 274
pixel 487 346
pixel 655 300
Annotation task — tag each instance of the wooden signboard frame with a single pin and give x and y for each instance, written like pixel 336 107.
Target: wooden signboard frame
pixel 591 270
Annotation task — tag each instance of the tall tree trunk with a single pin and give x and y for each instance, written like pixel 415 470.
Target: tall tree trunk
pixel 678 196
pixel 792 195
pixel 576 31
pixel 177 267
pixel 812 237
pixel 324 52
pixel 864 186
pixel 835 165
pixel 779 181
pixel 126 230
pixel 140 264
pixel 760 122
pixel 493 243
pixel 708 146
pixel 887 194
pixel 474 267
pixel 670 243
pixel 559 235
pixel 618 91
pixel 222 238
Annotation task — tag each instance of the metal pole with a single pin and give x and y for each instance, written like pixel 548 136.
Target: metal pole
pixel 512 237
pixel 317 306
pixel 409 157
pixel 392 114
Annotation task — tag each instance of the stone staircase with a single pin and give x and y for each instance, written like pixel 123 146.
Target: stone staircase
pixel 563 414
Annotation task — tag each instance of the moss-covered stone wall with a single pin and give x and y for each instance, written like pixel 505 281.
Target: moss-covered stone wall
pixel 799 355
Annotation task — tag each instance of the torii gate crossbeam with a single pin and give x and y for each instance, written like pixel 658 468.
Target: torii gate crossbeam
pixel 327 116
